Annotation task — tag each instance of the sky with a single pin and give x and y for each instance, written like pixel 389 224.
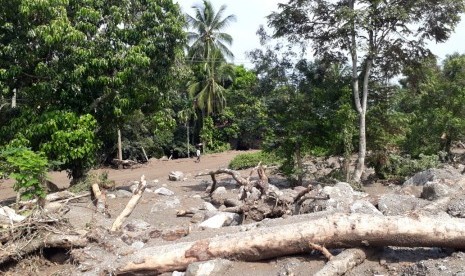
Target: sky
pixel 251 14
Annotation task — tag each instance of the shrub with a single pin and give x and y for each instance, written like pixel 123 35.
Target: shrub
pixel 390 166
pixel 27 168
pixel 250 160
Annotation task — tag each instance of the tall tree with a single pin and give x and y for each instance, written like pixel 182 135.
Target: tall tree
pixel 208 31
pixel 370 34
pixel 109 59
pixel 210 48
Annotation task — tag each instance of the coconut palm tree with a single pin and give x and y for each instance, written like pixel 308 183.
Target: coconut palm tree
pixel 207 32
pixel 209 46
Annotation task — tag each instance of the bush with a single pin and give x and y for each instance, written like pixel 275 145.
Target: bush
pixel 250 160
pixel 27 168
pixel 391 166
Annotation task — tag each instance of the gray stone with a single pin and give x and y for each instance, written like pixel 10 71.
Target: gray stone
pixel 164 191
pixel 364 207
pixel 212 267
pixel 219 195
pixel 123 193
pixel 433 190
pixel 175 176
pixel 421 178
pixel 136 225
pixel 178 273
pixel 456 207
pixel 395 204
pixel 198 217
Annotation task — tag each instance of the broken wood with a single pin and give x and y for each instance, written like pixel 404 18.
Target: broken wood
pixel 322 249
pixel 344 262
pixel 17 250
pixel 137 194
pixel 100 198
pixel 334 231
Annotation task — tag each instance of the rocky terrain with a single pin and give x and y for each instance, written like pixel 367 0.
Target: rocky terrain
pixel 178 206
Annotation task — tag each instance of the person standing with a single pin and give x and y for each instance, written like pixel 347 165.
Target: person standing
pixel 197 152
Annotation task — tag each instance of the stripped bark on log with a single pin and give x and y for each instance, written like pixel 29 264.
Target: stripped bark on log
pixel 137 194
pixel 334 231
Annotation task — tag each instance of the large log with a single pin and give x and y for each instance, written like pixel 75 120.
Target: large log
pixel 332 231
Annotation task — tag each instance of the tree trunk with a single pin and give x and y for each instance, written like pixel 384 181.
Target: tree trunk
pixel 300 165
pixel 120 146
pixel 188 147
pixel 362 123
pixel 332 231
pixel 13 99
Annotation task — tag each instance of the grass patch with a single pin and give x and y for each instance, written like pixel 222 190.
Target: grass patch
pixel 251 159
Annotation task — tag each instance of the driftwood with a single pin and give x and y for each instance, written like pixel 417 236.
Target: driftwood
pixel 137 194
pixel 17 250
pixel 334 231
pixel 343 262
pixel 100 198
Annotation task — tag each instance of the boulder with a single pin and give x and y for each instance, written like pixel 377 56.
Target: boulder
pixel 364 207
pixel 175 176
pixel 219 195
pixel 456 207
pixel 447 173
pixel 395 204
pixel 433 190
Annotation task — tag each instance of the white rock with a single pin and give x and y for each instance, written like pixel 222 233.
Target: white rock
pixel 175 176
pixel 209 207
pixel 219 220
pixel 137 245
pixel 164 191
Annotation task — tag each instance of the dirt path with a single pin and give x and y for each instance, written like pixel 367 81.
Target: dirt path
pixel 155 169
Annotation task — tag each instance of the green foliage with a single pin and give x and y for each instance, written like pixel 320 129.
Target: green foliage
pixel 68 140
pixel 389 166
pixel 438 115
pixel 250 160
pixel 27 168
pixel 104 58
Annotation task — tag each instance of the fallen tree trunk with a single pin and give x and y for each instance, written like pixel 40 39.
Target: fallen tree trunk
pixel 137 194
pixel 333 231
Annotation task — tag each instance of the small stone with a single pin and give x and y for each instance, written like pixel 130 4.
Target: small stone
pixel 111 196
pixel 123 194
pixel 137 245
pixel 209 207
pixel 178 273
pixel 442 268
pixel 212 267
pixel 164 191
pixel 198 217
